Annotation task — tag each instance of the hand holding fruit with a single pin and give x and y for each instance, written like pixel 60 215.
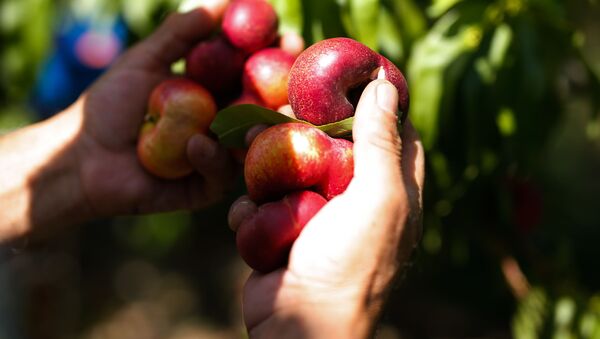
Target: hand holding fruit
pixel 344 260
pixel 113 179
pixel 296 157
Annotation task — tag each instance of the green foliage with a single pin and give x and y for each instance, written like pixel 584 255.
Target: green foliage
pixel 561 316
pixel 23 34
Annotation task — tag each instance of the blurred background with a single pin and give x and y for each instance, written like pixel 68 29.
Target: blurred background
pixel 506 96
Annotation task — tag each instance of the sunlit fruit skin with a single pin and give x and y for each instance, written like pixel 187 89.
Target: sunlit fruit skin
pixel 250 25
pixel 266 74
pixel 327 78
pixel 216 65
pixel 285 158
pixel 177 109
pixel 295 156
pixel 265 239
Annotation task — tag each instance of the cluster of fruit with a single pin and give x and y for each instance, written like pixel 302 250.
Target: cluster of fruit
pixel 291 170
pixel 246 56
pixel 247 48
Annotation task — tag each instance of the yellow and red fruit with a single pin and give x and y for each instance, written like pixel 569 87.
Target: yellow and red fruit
pixel 178 109
pixel 266 75
pixel 295 156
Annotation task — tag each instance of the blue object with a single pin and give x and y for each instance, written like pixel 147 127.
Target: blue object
pixel 83 50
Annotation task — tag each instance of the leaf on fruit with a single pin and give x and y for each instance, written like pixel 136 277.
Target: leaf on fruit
pixel 231 124
pixel 339 129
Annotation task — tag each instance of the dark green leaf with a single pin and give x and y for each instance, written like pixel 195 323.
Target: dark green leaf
pixel 338 129
pixel 322 20
pixel 231 124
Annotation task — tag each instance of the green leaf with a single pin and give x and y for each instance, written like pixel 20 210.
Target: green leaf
pixel 413 23
pixel 338 129
pixel 365 19
pixel 439 7
pixel 390 36
pixel 500 44
pixel 431 58
pixel 322 19
pixel 231 124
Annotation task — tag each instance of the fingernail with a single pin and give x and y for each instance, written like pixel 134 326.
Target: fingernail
pixel 240 210
pixel 387 97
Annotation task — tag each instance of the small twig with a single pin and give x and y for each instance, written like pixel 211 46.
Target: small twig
pixel 514 277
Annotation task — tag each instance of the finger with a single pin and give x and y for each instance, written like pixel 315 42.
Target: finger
pixel 377 145
pixel 253 132
pixel 170 42
pixel 212 162
pixel 240 210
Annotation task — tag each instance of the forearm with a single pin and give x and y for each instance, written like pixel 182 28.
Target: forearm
pixel 39 179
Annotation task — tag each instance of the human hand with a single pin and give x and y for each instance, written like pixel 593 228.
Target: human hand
pixel 343 263
pixel 112 178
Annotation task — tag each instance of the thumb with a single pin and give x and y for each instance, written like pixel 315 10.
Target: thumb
pixel 377 145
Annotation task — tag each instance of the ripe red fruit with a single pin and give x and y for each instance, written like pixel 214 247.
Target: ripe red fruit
pixel 177 109
pixel 294 156
pixel 341 169
pixel 328 78
pixel 250 25
pixel 264 240
pixel 216 65
pixel 266 74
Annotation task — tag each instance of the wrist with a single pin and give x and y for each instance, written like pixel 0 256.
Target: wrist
pixel 316 321
pixel 40 187
pixel 302 311
pixel 61 173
